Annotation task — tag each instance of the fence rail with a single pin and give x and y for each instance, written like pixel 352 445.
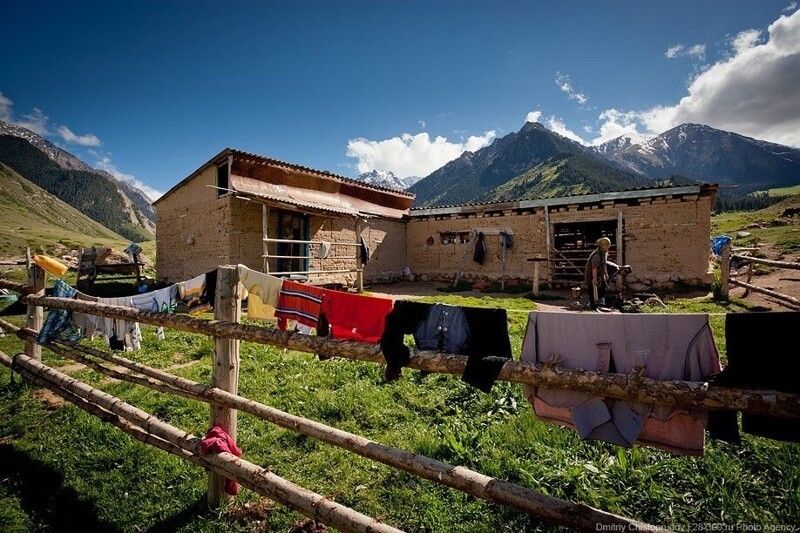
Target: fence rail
pixel 727 255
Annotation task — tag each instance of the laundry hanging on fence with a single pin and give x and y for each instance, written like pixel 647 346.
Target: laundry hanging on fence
pixel 58 323
pixel 262 293
pixel 300 302
pixel 344 315
pixel 119 334
pixel 197 295
pixel 762 353
pixel 159 301
pixel 663 346
pixel 479 333
pixel 217 440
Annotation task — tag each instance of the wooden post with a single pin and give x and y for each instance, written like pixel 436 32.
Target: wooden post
pixel 536 278
pixel 503 273
pixel 359 263
pixel 726 270
pixel 35 318
pixel 549 244
pixel 225 374
pixel 620 256
pixel 264 236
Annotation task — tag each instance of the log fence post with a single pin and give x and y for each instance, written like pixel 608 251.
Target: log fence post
pixel 725 264
pixel 225 373
pixel 35 317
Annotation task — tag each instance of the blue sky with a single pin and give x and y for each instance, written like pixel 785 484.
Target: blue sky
pixel 151 90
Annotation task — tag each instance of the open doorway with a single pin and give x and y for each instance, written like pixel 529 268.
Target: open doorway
pixel 573 242
pixel 293 255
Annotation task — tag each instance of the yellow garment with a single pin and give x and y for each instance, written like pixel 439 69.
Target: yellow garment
pixel 262 290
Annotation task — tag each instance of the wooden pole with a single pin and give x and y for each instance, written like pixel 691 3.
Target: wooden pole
pixel 790 265
pixel 503 273
pixel 549 243
pixel 35 317
pixel 461 478
pixel 687 394
pixel 790 302
pixel 725 265
pixel 265 236
pixel 359 263
pixel 536 278
pixel 225 374
pixel 620 255
pixel 254 477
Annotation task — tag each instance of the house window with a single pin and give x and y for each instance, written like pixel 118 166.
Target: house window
pixel 455 237
pixel 294 255
pixel 223 183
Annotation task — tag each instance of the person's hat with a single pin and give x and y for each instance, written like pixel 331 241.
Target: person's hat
pixel 602 240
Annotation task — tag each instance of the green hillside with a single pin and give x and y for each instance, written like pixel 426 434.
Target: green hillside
pixel 89 192
pixel 563 176
pixel 29 215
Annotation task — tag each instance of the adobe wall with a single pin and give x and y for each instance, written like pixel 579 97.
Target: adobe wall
pixel 386 240
pixel 193 229
pixel 666 240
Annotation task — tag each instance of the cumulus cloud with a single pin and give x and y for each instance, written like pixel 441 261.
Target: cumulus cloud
pixel 83 140
pixel 103 162
pixel 412 155
pixel 753 92
pixel 697 51
pixel 533 116
pixel 559 127
pixel 565 85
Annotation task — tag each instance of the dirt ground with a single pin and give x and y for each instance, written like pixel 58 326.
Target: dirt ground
pixel 782 281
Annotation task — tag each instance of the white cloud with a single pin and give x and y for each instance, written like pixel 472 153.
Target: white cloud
pixel 697 51
pixel 616 124
pixel 103 162
pixel 83 140
pixel 565 85
pixel 791 7
pixel 421 124
pixel 559 127
pixel 36 121
pixel 533 116
pixel 754 92
pixel 411 155
pixel 5 108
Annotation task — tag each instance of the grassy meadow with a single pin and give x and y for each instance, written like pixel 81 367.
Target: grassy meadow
pixel 62 469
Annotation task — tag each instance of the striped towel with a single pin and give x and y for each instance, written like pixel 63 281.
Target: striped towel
pixel 299 302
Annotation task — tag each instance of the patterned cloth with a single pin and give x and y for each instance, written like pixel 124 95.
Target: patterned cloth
pixel 299 302
pixel 58 323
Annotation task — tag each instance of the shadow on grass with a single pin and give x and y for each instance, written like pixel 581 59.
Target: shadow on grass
pixel 44 497
pixel 183 518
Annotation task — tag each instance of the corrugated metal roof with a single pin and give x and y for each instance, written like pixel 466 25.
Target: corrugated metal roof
pixel 300 168
pixel 562 200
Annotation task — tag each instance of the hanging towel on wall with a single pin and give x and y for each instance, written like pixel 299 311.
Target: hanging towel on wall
pixel 324 250
pixel 353 316
pixel 669 347
pixel 364 252
pixel 300 302
pixel 479 333
pixel 480 249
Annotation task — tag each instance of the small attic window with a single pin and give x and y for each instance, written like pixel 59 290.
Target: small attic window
pixel 222 179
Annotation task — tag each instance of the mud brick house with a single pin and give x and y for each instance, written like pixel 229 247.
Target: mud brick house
pixel 279 217
pixel 662 232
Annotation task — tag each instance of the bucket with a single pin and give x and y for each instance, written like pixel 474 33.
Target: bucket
pixel 575 292
pixel 49 264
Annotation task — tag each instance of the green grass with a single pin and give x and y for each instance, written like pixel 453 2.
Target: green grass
pixel 785 191
pixel 785 238
pixel 61 465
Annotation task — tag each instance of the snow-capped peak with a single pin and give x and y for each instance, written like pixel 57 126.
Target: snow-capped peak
pixel 386 178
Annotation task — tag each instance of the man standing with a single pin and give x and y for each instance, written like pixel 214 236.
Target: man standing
pixel 596 273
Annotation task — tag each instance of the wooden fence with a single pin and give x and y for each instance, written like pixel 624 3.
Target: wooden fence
pixel 222 396
pixel 728 255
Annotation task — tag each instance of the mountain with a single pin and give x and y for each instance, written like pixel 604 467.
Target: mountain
pixel 31 216
pixel 386 178
pixel 705 154
pixel 525 157
pixel 114 203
